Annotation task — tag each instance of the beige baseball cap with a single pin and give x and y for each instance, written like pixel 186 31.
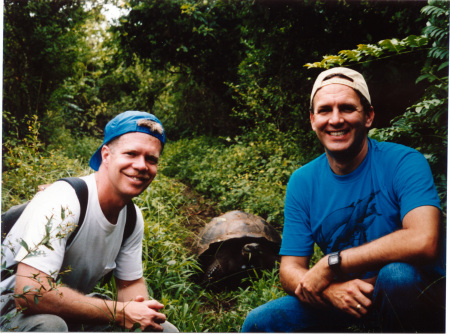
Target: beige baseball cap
pixel 358 82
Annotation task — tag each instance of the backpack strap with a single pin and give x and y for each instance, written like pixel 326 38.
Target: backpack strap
pixel 82 192
pixel 130 223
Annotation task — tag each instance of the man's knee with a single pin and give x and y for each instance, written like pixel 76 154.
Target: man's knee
pixel 395 278
pixel 269 317
pixel 397 289
pixel 37 323
pixel 405 296
pixel 285 314
pixel 50 323
pixel 288 314
pixel 169 327
pixel 251 321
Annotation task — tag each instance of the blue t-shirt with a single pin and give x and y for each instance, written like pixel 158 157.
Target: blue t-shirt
pixel 339 212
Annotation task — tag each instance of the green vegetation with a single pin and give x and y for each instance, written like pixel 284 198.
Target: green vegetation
pixel 231 81
pixel 236 174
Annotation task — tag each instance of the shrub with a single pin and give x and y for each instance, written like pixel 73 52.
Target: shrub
pixel 237 174
pixel 27 163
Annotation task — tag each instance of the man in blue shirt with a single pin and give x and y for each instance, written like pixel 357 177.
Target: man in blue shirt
pixel 374 211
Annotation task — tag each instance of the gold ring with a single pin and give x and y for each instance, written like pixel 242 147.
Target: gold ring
pixel 358 307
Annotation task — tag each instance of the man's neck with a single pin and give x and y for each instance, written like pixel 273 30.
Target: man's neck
pixel 111 205
pixel 343 164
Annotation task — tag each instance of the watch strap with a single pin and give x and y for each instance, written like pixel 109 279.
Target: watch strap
pixel 334 265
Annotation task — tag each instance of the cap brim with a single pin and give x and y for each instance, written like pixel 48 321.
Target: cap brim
pixel 96 159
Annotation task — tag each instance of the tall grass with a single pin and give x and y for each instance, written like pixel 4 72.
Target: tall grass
pixel 170 264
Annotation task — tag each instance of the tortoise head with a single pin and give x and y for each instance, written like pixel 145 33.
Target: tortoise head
pixel 251 248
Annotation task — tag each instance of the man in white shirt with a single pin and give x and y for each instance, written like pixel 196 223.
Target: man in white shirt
pixel 126 164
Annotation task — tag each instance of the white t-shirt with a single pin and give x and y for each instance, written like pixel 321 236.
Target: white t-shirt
pixel 95 250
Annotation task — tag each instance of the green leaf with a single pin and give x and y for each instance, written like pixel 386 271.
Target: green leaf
pixel 63 213
pixel 136 327
pixel 422 77
pixel 27 288
pixel 415 41
pixel 24 245
pixel 48 228
pixel 391 45
pixel 46 243
pixel 49 280
pixel 444 65
pixel 433 11
pixel 353 55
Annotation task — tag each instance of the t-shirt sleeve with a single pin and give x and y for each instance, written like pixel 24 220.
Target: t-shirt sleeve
pixel 129 260
pixel 45 226
pixel 297 235
pixel 413 183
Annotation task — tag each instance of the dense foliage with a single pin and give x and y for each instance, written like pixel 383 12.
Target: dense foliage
pixel 240 63
pixel 249 175
pixel 40 50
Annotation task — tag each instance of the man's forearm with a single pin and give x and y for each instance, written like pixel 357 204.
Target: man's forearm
pixel 292 270
pixel 416 243
pixel 400 246
pixel 36 293
pixel 73 306
pixel 128 290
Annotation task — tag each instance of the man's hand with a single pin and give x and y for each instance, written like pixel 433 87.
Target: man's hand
pixel 352 297
pixel 138 307
pixel 314 282
pixel 142 311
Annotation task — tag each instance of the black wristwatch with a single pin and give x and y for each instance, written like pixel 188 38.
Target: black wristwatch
pixel 334 262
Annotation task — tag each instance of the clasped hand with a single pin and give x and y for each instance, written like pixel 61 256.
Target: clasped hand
pixel 352 297
pixel 144 312
pixel 314 282
pixel 318 288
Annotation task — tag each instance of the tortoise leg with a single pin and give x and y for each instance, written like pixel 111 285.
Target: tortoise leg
pixel 212 270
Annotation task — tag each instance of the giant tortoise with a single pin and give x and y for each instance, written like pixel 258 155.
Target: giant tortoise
pixel 235 244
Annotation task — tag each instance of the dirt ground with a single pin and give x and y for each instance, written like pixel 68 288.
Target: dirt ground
pixel 198 212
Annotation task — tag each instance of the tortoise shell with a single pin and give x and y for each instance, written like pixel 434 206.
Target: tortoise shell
pixel 234 246
pixel 235 224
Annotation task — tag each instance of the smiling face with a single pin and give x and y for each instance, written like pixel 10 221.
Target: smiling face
pixel 341 124
pixel 131 163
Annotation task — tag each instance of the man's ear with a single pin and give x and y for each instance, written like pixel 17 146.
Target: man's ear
pixel 311 118
pixel 106 154
pixel 370 117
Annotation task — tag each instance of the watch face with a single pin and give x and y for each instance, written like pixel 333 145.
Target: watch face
pixel 333 259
